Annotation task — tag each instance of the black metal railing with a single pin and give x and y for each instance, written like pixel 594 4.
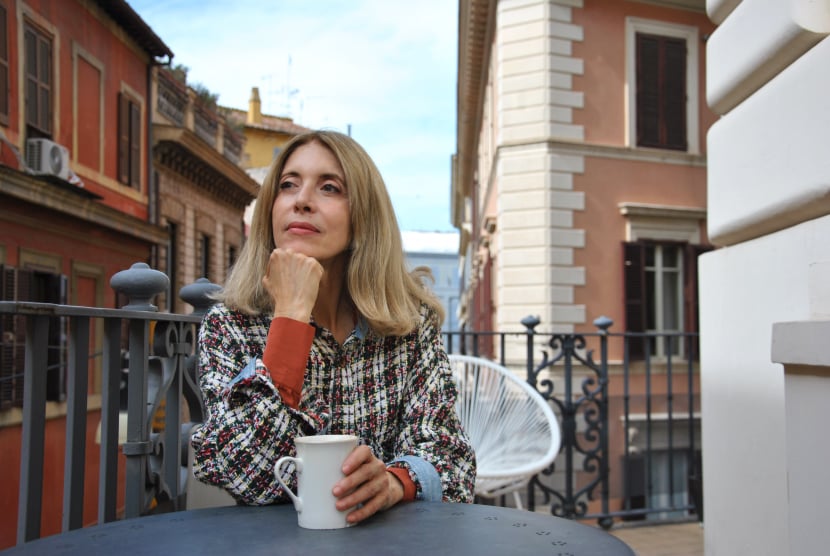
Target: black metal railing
pixel 163 400
pixel 630 425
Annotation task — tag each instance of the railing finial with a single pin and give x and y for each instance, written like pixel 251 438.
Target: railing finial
pixel 531 322
pixel 140 284
pixel 603 323
pixel 198 295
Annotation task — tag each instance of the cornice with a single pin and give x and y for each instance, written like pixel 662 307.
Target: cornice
pixel 476 26
pixel 68 199
pixel 183 152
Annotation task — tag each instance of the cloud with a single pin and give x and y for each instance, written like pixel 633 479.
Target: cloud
pixel 386 69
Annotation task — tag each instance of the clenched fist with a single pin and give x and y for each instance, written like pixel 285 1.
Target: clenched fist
pixel 292 279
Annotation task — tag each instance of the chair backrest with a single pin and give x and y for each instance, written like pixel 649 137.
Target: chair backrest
pixel 512 428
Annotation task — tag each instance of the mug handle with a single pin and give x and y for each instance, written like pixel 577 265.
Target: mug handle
pixel 298 463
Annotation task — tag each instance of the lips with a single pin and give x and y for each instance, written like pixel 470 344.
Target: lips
pixel 301 227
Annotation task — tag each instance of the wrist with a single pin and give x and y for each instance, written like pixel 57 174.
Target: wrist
pixel 396 489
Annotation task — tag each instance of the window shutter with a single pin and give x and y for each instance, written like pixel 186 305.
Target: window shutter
pixel 135 145
pixel 4 68
pixel 123 139
pixel 30 60
pixel 661 92
pixel 690 290
pixel 8 344
pixel 53 290
pixel 16 286
pixel 635 291
pixel 674 94
pixel 648 90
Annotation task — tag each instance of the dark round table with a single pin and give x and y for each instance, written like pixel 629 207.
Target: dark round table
pixel 418 528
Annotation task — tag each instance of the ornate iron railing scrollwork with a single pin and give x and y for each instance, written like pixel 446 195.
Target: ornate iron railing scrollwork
pixel 590 405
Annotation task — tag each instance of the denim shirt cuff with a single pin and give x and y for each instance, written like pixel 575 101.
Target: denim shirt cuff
pixel 428 477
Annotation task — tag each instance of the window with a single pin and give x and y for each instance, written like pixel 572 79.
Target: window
pixel 662 93
pixel 660 295
pixel 205 257
pixel 231 255
pixel 129 141
pixel 38 62
pixel 4 68
pixel 30 285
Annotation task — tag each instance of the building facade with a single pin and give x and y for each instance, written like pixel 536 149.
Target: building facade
pixel 579 190
pixel 105 161
pixel 265 135
pixel 580 176
pixel 437 251
pixel 202 190
pixel 764 297
pixel 75 197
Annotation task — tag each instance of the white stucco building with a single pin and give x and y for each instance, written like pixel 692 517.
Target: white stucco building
pixel 765 293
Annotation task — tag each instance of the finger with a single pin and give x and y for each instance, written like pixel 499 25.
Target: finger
pixel 356 458
pixel 373 496
pixel 360 466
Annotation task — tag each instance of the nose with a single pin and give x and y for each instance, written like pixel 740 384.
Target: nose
pixel 302 201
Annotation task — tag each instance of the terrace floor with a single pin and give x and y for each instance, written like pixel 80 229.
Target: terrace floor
pixel 672 539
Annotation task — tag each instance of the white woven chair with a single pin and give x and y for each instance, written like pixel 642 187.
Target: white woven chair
pixel 513 430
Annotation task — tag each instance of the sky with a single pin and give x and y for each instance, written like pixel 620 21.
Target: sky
pixel 382 70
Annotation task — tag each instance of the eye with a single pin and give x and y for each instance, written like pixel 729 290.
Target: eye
pixel 330 187
pixel 285 185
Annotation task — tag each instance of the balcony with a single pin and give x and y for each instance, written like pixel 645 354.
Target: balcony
pixel 180 106
pixel 630 428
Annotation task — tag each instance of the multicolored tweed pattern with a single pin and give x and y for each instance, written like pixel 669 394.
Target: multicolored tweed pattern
pixel 395 393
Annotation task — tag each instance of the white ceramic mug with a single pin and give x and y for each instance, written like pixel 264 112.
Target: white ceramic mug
pixel 318 465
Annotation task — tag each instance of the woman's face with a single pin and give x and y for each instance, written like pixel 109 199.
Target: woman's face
pixel 311 211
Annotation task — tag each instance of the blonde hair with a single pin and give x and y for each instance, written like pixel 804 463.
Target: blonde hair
pixel 378 283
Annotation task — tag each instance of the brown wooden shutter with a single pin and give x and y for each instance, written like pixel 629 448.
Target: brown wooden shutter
pixel 4 68
pixel 661 92
pixel 9 351
pixel 135 145
pixel 674 94
pixel 123 139
pixel 648 90
pixel 53 290
pixel 30 61
pixel 690 291
pixel 635 291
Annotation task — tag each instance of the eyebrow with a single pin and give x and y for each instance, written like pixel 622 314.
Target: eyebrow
pixel 336 177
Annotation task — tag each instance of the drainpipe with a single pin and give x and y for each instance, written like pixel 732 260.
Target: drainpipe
pixel 152 189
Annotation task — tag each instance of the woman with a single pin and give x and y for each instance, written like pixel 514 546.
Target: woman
pixel 321 329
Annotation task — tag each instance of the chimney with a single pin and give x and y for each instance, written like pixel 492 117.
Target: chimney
pixel 254 107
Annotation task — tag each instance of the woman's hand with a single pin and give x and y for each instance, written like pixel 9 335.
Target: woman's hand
pixel 367 482
pixel 292 279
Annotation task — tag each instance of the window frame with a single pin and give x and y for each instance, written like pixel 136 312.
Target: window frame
pixel 635 294
pixel 655 302
pixel 635 26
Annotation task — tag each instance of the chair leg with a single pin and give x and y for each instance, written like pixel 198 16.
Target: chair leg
pixel 518 499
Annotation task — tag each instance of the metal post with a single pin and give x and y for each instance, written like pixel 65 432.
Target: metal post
pixel 603 324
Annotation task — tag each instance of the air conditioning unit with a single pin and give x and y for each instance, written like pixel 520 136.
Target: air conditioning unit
pixel 44 156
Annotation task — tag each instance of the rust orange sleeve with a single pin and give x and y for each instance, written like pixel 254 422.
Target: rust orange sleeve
pixel 408 486
pixel 286 355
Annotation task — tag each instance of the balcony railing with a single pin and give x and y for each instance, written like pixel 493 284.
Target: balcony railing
pixel 630 426
pixel 182 107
